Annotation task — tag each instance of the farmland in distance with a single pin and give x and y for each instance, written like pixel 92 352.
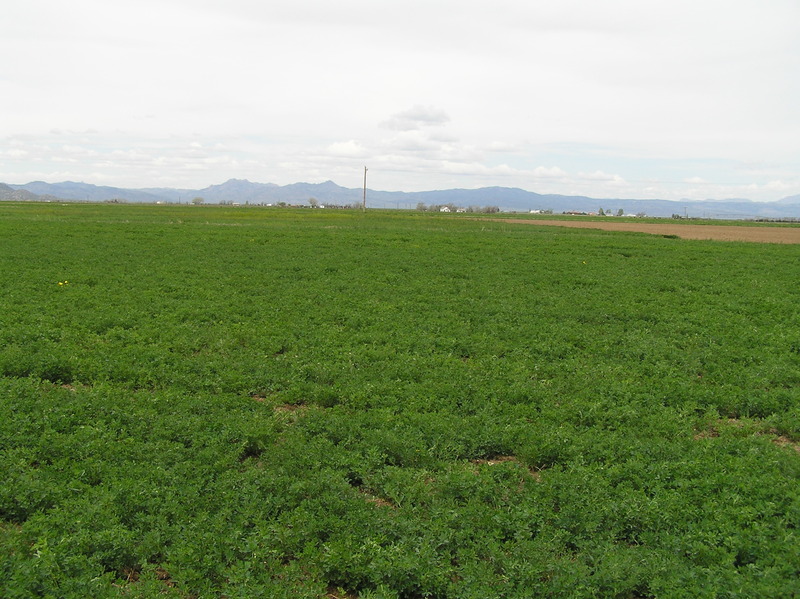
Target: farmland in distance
pixel 211 401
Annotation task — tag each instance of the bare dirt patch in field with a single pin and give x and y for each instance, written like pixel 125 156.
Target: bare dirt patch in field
pixel 504 459
pixel 374 499
pixel 716 232
pixel 753 427
pixel 783 441
pixel 334 593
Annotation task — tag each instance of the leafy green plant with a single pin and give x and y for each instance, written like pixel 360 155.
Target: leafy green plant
pixel 244 402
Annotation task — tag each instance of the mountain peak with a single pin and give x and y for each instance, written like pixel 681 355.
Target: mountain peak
pixel 328 192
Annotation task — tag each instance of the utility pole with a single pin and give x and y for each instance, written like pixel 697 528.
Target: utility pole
pixel 364 201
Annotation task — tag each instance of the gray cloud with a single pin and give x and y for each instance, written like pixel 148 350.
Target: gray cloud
pixel 416 118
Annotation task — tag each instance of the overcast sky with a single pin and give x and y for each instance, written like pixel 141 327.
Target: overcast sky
pixel 623 98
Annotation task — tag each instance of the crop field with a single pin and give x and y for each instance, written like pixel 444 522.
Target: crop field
pixel 726 232
pixel 209 401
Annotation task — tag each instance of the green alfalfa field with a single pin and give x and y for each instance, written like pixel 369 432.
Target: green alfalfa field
pixel 207 401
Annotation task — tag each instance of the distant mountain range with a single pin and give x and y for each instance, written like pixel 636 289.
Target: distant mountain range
pixel 239 191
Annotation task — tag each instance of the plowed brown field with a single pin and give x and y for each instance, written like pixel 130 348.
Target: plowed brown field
pixel 718 232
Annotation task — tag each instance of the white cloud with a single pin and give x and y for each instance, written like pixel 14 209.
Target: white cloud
pixel 348 149
pixel 601 176
pixel 779 186
pixel 671 98
pixel 415 118
pixel 544 172
pixel 15 153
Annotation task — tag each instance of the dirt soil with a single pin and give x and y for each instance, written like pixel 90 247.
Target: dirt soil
pixel 717 232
